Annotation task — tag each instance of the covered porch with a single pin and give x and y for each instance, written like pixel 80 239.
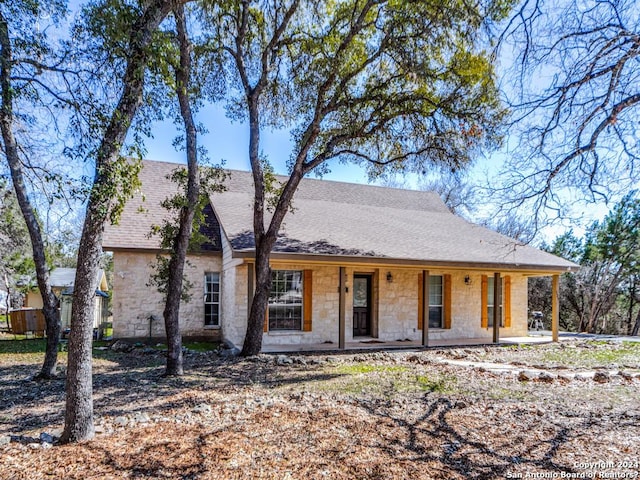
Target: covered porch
pixel 399 302
pixel 423 321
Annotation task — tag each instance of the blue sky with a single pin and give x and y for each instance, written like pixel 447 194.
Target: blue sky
pixel 227 140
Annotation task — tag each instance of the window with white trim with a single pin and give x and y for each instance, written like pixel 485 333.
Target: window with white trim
pixel 490 305
pixel 435 301
pixel 285 300
pixel 212 299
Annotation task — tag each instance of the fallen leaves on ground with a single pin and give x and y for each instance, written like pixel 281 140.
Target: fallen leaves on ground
pixel 367 415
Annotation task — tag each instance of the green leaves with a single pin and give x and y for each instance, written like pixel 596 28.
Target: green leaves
pixel 390 83
pixel 211 180
pixel 160 275
pixel 618 236
pixel 116 183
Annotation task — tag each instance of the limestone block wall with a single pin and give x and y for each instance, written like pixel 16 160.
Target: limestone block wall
pixel 397 306
pixel 234 308
pixel 134 302
pixel 396 302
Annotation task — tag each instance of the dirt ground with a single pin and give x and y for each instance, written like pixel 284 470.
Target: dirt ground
pixel 557 411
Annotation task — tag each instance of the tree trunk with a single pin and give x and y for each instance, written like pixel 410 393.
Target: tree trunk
pixel 255 323
pixel 181 242
pixel 79 405
pixel 49 300
pixel 79 386
pixel 632 303
pixel 636 327
pixel 264 240
pixel 264 244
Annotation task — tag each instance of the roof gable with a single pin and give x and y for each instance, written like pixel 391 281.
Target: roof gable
pixel 144 210
pixel 336 218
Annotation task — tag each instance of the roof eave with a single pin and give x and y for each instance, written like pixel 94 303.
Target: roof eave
pixel 249 255
pixel 157 251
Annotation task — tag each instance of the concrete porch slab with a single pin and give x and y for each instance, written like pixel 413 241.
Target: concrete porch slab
pixel 374 344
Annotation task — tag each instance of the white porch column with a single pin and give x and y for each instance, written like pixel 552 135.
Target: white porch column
pixel 555 307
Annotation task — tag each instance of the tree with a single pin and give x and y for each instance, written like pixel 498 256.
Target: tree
pixel 389 85
pixel 22 48
pixel 454 189
pixel 15 246
pixel 171 264
pixel 113 181
pixel 608 254
pixel 179 233
pixel 576 98
pixel 183 235
pixel 618 242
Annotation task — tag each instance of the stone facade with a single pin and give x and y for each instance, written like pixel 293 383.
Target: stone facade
pixel 235 309
pixel 395 303
pixel 137 308
pixel 395 306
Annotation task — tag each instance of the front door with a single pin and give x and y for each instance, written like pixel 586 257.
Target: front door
pixel 361 305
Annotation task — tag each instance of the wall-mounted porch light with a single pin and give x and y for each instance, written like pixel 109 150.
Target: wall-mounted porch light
pixel 389 277
pixel 467 280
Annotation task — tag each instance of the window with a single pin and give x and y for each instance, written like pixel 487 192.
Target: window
pixel 435 301
pixel 285 300
pixel 439 301
pixel 490 305
pixel 212 299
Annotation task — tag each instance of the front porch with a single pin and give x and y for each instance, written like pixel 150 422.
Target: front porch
pixel 400 309
pixel 375 344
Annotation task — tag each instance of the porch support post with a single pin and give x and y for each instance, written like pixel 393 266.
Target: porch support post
pixel 497 311
pixel 555 307
pixel 425 308
pixel 342 288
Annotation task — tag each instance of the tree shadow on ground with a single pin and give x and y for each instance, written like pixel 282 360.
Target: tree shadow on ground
pixel 460 453
pixel 429 445
pixel 126 389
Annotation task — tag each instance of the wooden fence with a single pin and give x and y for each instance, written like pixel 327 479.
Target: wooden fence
pixel 27 321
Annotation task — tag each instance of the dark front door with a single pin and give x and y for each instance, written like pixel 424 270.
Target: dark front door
pixel 361 305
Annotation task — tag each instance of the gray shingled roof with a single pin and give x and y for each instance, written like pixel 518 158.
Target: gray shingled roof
pixel 64 277
pixel 336 218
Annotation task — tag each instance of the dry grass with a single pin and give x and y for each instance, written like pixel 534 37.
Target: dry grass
pixel 378 415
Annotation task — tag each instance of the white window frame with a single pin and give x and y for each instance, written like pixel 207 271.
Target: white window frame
pixel 210 299
pixel 435 295
pixel 283 302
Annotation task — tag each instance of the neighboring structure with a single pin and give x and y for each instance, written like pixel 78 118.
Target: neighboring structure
pixel 62 281
pixel 351 264
pixel 5 299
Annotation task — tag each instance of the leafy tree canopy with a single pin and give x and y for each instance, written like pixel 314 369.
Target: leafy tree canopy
pixel 382 83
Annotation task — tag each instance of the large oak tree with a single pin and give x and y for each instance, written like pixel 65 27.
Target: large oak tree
pixel 112 183
pixel 386 84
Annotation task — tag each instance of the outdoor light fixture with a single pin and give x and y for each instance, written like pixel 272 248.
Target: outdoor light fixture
pixel 389 277
pixel 467 280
